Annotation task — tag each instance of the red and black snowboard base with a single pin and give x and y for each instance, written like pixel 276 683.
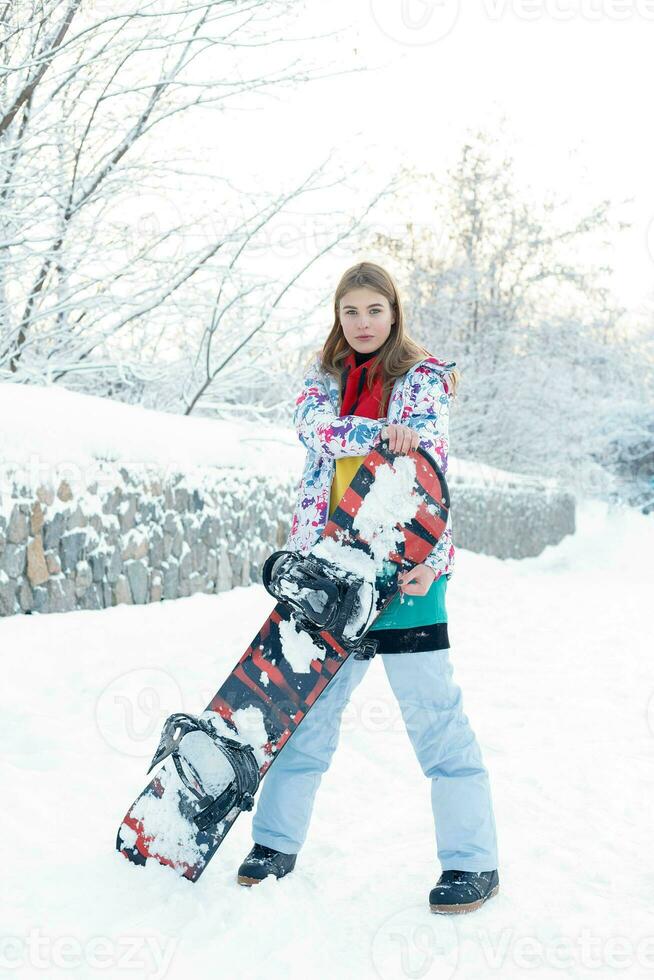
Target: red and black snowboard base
pixel 388 520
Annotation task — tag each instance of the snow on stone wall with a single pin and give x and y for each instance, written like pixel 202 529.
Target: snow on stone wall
pixel 103 503
pixel 137 537
pixel 140 541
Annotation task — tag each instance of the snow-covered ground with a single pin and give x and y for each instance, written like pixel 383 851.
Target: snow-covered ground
pixel 554 656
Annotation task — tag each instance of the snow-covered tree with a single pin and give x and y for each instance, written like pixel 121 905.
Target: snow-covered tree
pixel 554 375
pixel 106 283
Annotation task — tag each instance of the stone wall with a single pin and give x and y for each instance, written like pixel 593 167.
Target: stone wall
pixel 138 541
pixel 137 537
pixel 505 514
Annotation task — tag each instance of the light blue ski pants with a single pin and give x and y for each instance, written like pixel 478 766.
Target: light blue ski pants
pixel 444 743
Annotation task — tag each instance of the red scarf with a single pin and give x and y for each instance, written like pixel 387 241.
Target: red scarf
pixel 357 398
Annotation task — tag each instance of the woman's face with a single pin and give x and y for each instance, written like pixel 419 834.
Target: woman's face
pixel 366 319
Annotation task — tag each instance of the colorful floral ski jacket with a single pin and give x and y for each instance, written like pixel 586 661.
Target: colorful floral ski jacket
pixel 419 399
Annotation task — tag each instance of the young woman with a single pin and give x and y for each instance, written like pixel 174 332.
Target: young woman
pixel 372 382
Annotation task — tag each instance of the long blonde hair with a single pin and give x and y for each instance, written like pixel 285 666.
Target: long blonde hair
pixel 397 354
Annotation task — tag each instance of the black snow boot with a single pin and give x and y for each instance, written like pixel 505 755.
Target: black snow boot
pixel 262 861
pixel 463 891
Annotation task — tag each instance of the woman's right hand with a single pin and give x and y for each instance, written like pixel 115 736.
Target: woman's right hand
pixel 401 438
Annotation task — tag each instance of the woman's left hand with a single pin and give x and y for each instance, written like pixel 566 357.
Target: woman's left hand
pixel 417 581
pixel 401 438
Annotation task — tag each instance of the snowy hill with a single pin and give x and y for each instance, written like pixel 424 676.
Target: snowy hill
pixel 553 655
pixel 47 430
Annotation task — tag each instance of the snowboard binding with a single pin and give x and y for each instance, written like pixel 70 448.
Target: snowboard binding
pixel 240 791
pixel 323 596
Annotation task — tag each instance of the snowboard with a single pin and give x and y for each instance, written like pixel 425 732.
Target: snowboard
pixel 388 520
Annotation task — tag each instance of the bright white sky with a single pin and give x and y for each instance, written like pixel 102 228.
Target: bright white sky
pixel 572 80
